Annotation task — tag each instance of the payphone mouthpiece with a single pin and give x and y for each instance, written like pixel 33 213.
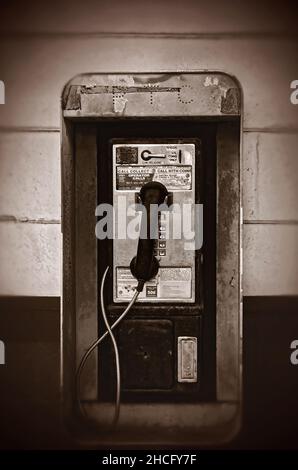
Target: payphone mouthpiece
pixel 153 193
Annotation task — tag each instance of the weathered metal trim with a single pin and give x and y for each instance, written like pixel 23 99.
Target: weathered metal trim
pixel 183 94
pixel 67 318
pixel 228 262
pixel 86 283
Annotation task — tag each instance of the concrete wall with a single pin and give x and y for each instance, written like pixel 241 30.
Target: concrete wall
pixel 44 44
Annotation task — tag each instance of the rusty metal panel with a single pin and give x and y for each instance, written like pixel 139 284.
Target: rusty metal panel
pixel 228 263
pixel 68 324
pixel 86 254
pixel 149 95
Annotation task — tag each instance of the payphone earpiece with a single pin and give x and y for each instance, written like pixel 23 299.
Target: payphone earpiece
pixel 144 266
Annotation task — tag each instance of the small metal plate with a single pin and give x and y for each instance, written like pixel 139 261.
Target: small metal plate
pixel 187 359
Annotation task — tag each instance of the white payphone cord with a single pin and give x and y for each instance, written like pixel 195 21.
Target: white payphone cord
pixel 99 340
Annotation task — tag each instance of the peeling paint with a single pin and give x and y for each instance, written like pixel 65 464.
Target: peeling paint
pixel 204 94
pixel 74 98
pixel 211 81
pixel 119 103
pixel 90 86
pixel 230 103
pixel 223 91
pixel 104 89
pixel 232 281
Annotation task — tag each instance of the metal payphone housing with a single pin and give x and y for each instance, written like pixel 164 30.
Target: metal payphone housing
pixel 212 102
pixel 171 163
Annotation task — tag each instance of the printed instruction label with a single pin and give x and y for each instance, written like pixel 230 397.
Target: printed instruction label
pixel 170 283
pixel 173 177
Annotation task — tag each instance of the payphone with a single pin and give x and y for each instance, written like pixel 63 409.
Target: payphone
pixel 153 250
pixel 173 165
pixel 151 318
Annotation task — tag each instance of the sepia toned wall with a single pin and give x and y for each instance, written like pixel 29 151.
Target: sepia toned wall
pixel 44 44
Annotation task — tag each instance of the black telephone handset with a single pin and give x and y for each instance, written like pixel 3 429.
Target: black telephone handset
pixel 144 266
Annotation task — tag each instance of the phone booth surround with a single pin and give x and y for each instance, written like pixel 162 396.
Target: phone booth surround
pixel 180 345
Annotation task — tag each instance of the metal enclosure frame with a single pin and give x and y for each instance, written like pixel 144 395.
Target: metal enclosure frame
pixel 201 95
